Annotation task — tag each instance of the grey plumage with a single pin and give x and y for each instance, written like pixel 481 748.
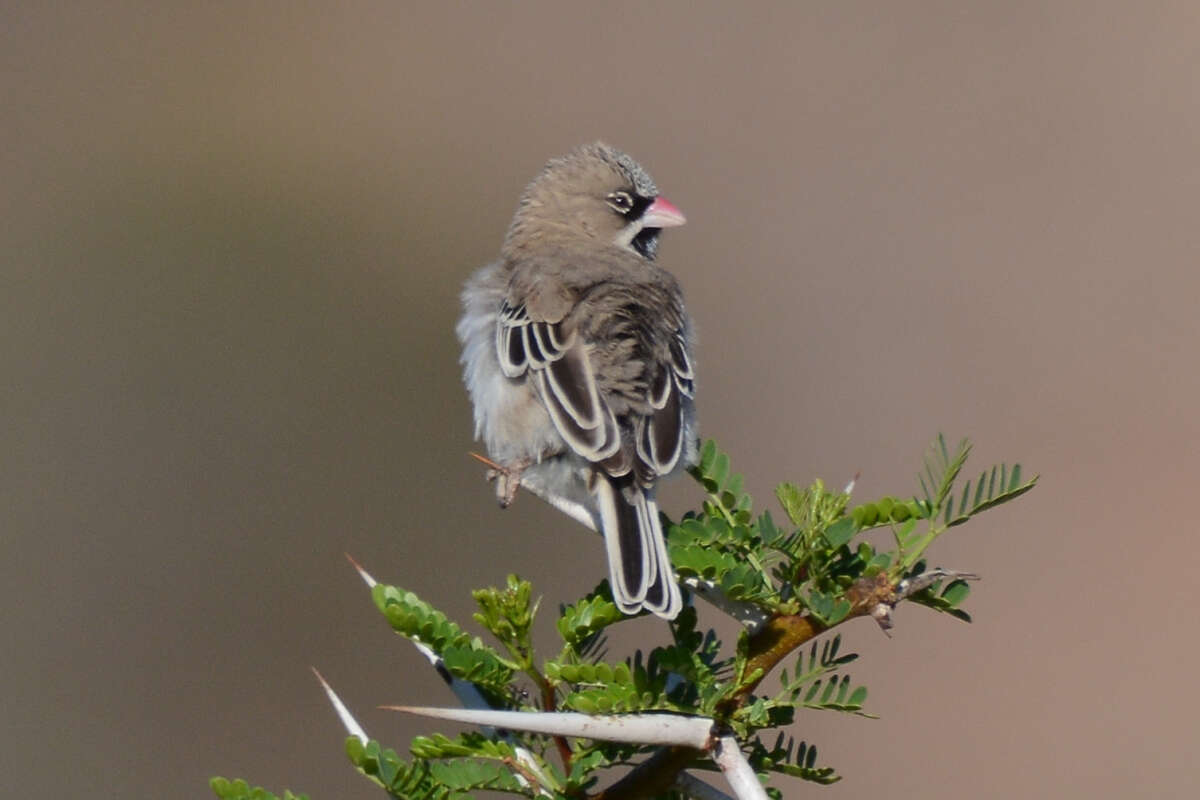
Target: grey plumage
pixel 577 354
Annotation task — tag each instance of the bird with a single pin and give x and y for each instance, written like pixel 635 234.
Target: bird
pixel 578 356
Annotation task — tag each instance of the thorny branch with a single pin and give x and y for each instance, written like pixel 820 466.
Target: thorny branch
pixel 772 639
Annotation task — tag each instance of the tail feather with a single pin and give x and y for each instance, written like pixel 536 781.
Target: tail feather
pixel 662 596
pixel 639 568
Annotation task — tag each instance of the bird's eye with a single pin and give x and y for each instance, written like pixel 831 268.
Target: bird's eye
pixel 620 202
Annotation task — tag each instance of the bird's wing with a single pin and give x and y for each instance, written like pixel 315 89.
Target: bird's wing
pixel 560 363
pixel 557 361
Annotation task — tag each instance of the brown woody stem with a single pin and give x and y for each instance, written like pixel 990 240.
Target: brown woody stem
pixel 780 636
pixel 652 777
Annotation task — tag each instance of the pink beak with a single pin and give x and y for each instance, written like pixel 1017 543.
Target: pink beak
pixel 661 214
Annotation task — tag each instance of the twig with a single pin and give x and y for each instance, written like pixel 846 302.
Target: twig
pixel 918 583
pixel 881 612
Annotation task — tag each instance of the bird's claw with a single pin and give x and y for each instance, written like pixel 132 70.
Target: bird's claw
pixel 508 482
pixel 507 479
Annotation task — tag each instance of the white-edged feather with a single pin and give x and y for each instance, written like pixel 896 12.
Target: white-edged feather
pixel 660 571
pixel 606 503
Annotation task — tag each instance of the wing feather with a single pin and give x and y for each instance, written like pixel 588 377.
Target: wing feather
pixel 537 359
pixel 559 365
pixel 510 340
pixel 660 435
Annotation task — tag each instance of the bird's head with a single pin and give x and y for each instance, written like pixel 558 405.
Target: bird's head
pixel 597 193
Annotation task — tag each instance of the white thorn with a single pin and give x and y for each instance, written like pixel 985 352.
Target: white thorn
pixel 651 729
pixel 348 721
pixel 737 770
pixel 366 576
pixel 748 614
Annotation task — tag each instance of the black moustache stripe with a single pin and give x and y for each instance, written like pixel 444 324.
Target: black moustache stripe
pixel 640 204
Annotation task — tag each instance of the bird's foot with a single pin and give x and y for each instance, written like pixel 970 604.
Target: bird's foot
pixel 507 478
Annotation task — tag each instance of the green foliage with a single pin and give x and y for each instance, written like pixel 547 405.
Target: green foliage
pixel 994 486
pixel 508 615
pixel 941 470
pixel 431 778
pixel 466 745
pixel 788 758
pixel 1001 486
pixel 721 543
pixel 465 656
pixel 814 683
pixel 580 624
pixel 240 790
pixel 818 665
pixel 725 496
pixel 811 564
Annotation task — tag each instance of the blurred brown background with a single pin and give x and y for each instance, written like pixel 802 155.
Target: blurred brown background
pixel 232 244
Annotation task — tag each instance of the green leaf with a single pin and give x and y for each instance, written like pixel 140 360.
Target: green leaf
pixel 614 697
pixel 703 562
pixel 734 488
pixel 941 470
pixel 992 488
pixel 841 532
pixel 508 615
pixel 828 609
pixel 708 452
pixel 466 657
pixel 1015 480
pixel 945 600
pixel 956 592
pixel 780 760
pixel 591 614
pixel 471 744
pixel 793 500
pixel 767 530
pixel 240 790
pixel 426 778
pixel 465 775
pixel 836 696
pixel 720 471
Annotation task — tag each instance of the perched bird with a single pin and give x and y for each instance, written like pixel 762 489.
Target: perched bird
pixel 577 354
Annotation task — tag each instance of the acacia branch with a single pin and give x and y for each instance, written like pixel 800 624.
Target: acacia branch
pixel 774 641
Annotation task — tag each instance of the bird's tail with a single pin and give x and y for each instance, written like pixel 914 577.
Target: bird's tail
pixel 639 570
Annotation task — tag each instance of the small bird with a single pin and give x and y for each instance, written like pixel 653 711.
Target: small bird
pixel 577 354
